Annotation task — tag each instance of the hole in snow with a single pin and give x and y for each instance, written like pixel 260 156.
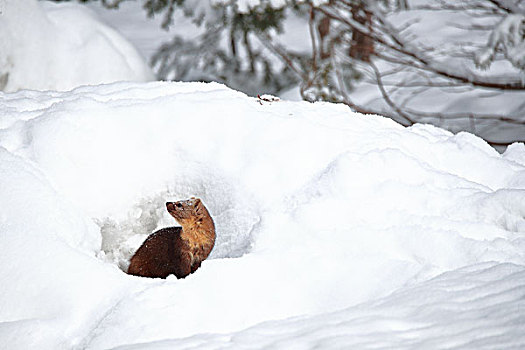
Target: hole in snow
pixel 235 226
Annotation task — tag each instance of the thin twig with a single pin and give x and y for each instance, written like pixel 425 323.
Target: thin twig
pixel 386 97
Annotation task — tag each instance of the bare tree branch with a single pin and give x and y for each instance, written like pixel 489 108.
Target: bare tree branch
pixel 398 45
pixel 507 6
pixel 387 98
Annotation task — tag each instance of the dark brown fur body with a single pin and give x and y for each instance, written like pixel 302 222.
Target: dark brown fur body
pixel 160 255
pixel 176 250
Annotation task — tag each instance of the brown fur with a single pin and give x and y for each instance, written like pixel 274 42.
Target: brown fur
pixel 176 250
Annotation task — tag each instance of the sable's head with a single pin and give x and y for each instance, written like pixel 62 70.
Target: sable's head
pixel 185 209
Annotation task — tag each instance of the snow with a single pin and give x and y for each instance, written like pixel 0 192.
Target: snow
pixel 438 314
pixel 48 46
pixel 145 33
pixel 334 229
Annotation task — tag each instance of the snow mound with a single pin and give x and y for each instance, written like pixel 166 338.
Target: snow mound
pixel 477 307
pixel 317 209
pixel 71 46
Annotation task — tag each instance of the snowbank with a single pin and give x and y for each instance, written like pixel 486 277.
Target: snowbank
pixel 317 209
pixel 49 46
pixel 479 307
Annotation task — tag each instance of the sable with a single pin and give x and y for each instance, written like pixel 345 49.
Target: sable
pixel 177 250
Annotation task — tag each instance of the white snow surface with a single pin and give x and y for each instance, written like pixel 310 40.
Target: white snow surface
pixel 334 229
pixel 49 46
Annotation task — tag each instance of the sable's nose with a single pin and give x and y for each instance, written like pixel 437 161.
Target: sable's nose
pixel 170 205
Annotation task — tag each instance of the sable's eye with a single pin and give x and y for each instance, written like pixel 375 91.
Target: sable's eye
pixel 178 205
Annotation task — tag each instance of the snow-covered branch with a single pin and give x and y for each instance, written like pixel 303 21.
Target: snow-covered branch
pixel 509 38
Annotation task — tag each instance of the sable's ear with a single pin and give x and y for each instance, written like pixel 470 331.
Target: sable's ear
pixel 197 203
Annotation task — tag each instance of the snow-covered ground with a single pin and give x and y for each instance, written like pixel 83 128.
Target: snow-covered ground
pixel 335 230
pixel 479 307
